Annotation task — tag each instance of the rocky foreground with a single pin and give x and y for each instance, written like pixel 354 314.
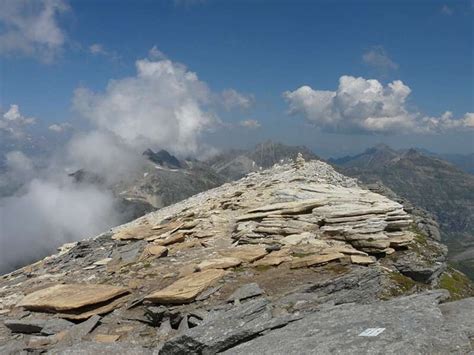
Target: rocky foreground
pixel 296 259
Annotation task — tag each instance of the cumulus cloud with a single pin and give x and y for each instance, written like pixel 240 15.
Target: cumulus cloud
pixel 164 105
pixel 31 28
pixel 378 58
pixel 250 124
pixel 366 106
pixel 232 99
pixel 13 123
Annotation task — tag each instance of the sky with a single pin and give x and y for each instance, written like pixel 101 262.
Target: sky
pixel 193 76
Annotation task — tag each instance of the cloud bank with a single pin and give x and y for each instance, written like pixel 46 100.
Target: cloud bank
pixel 31 28
pixel 360 105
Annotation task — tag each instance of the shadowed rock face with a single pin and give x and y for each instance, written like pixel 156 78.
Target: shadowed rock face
pixel 287 247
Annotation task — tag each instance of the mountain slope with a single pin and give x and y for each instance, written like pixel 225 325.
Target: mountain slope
pixel 427 182
pixel 290 246
pixel 235 164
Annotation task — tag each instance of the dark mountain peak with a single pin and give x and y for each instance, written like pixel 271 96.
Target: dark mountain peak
pixel 163 158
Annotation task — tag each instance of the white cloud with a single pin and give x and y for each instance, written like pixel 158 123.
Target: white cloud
pixel 13 122
pixel 155 53
pixel 378 58
pixel 31 28
pixel 446 10
pixel 59 127
pixel 232 99
pixel 250 124
pixel 366 106
pixel 56 212
pixel 97 48
pixel 164 105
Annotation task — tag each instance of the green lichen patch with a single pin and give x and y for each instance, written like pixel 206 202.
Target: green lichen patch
pixel 458 284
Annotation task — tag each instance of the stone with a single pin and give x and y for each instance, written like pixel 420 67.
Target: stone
pixel 79 331
pixel 362 260
pixel 186 289
pixel 104 261
pixel 312 260
pixel 401 239
pixel 275 258
pixel 301 206
pixel 67 297
pixel 135 232
pixel 89 311
pixel 295 239
pixel 172 239
pixel 344 250
pixel 219 263
pixel 208 293
pixel 43 326
pixel 247 254
pixel 155 250
pixel 246 291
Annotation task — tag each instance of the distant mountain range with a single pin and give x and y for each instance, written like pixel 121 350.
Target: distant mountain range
pixel 428 182
pixel 423 178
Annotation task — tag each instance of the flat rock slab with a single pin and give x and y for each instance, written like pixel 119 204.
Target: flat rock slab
pixel 247 254
pixel 69 297
pixel 315 260
pixel 131 233
pixel 186 289
pixel 172 239
pixel 362 260
pixel 219 263
pixel 43 326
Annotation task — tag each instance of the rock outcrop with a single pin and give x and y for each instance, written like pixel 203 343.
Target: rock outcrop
pixel 224 270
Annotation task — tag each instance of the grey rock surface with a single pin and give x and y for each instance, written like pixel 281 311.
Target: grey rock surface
pixel 246 291
pixel 223 330
pixel 411 325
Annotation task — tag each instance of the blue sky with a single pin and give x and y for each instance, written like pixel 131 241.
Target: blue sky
pixel 263 49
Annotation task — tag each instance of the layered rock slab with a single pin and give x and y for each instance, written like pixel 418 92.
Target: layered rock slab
pixel 70 297
pixel 186 289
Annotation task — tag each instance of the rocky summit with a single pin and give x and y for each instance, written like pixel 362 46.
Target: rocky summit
pixel 295 259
